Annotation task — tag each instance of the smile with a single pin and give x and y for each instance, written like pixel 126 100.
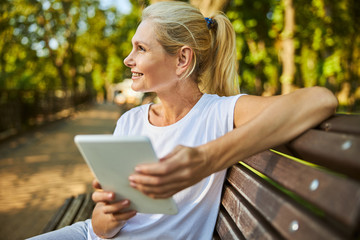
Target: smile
pixel 137 74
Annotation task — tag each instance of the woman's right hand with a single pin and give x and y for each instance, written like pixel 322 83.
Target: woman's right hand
pixel 108 217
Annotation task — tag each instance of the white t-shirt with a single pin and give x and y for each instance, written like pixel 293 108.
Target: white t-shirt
pixel 210 118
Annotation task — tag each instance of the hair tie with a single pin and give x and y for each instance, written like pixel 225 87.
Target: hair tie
pixel 210 23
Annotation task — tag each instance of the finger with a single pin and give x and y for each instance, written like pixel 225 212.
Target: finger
pixel 116 207
pixel 163 191
pixel 123 216
pixel 158 168
pixel 96 184
pixel 157 181
pixel 166 165
pixel 180 175
pixel 102 196
pixel 146 179
pixel 161 195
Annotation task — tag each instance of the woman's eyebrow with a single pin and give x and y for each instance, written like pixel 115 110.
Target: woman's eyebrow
pixel 137 42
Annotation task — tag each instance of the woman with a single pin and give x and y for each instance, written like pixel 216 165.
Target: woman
pixel 201 126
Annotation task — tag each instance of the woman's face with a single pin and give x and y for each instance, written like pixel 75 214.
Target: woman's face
pixel 153 70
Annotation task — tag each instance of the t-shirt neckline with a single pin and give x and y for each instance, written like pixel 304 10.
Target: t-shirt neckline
pixel 188 115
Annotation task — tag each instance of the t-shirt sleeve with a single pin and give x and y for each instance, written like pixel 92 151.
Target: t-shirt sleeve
pixel 231 110
pixel 130 121
pixel 225 109
pixel 121 122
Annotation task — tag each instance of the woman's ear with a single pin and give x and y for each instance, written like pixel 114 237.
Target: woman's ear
pixel 185 56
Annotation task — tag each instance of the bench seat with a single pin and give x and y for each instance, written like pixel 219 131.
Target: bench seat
pixel 308 188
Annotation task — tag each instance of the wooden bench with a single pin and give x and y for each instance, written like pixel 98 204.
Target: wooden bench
pixel 308 188
pixel 73 210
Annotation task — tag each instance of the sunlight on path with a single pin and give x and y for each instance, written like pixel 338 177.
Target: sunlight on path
pixel 41 190
pixel 39 170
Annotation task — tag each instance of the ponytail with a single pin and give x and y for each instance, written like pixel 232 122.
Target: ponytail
pixel 222 78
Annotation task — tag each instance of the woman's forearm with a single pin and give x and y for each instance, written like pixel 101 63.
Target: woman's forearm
pixel 284 119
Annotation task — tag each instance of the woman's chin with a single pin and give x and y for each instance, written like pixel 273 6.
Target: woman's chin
pixel 135 87
pixel 138 88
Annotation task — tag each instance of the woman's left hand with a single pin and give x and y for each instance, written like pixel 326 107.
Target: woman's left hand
pixel 183 167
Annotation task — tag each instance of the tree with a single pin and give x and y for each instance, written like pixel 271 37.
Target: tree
pixel 78 47
pixel 287 48
pixel 208 7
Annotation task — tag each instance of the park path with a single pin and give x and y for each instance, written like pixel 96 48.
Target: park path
pixel 40 169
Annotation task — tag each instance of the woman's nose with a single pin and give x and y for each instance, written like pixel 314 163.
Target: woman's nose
pixel 129 61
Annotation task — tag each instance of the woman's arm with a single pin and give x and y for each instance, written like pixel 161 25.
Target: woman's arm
pixel 108 218
pixel 261 123
pixel 270 122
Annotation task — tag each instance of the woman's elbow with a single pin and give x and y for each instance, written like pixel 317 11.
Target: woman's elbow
pixel 327 100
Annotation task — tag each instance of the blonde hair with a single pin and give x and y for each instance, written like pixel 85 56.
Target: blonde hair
pixel 214 65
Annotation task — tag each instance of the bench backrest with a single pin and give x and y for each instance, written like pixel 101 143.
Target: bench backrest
pixel 308 188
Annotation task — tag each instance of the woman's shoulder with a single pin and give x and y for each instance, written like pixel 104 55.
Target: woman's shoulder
pixel 214 100
pixel 214 105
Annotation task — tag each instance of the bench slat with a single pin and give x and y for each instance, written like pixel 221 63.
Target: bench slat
pixel 251 224
pixel 86 209
pixel 71 213
pixel 55 220
pixel 339 152
pixel 290 219
pixel 215 234
pixel 226 228
pixel 337 196
pixel 342 123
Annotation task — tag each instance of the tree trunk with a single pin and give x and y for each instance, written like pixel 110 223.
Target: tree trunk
pixel 288 49
pixel 207 7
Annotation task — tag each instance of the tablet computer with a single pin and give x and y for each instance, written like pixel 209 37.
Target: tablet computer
pixel 112 159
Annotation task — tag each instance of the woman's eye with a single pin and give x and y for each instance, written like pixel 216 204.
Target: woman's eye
pixel 141 48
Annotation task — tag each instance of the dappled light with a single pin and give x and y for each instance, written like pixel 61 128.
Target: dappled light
pixel 41 168
pixel 78 47
pixel 44 189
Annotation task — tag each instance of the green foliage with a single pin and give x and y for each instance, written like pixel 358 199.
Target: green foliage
pixel 256 40
pixel 76 46
pixel 326 39
pixel 58 44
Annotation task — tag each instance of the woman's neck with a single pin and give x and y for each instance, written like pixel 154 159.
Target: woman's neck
pixel 173 106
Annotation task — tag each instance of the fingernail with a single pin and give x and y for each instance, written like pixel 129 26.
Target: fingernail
pixel 138 169
pixel 132 184
pixel 125 202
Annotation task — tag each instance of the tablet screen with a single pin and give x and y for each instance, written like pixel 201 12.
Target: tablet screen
pixel 112 159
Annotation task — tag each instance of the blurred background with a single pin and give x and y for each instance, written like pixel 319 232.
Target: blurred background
pixel 58 54
pixel 63 59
